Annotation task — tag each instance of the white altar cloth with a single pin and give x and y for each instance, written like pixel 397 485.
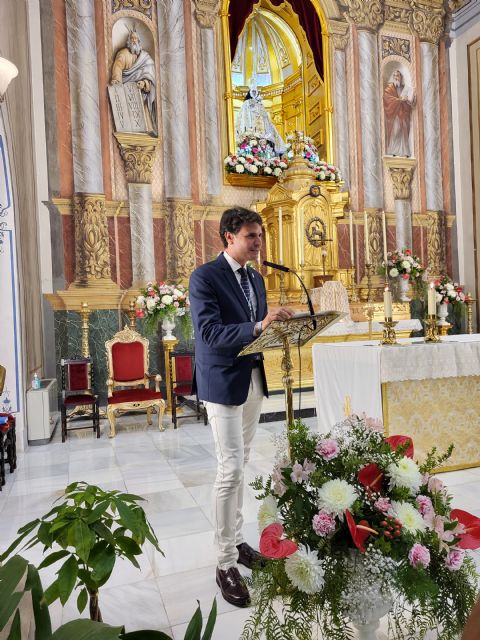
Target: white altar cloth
pixel 349 327
pixel 358 369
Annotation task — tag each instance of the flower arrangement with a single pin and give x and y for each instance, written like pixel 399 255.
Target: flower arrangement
pixel 448 292
pixel 256 156
pixel 353 521
pixel 403 264
pixel 157 301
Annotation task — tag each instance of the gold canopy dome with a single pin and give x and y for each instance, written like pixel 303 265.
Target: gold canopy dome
pixel 267 50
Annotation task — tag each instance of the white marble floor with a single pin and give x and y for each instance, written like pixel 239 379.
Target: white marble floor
pixel 174 472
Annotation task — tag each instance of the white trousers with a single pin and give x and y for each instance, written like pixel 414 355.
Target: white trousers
pixel 233 429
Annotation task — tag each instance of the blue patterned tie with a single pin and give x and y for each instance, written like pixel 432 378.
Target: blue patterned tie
pixel 246 289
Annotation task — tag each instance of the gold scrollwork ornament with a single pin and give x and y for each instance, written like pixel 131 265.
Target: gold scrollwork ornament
pixel 181 250
pixel 207 12
pixel 402 181
pixel 92 256
pixel 426 22
pixel 366 14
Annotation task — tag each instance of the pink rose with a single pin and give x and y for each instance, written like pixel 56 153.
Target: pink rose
pixel 406 276
pixel 382 504
pixel 323 523
pixel 435 485
pixel 419 556
pixel 425 505
pixel 327 449
pixel 454 559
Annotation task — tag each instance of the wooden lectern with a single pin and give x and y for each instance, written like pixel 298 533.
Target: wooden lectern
pixel 296 331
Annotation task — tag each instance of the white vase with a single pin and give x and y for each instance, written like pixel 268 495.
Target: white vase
pixel 168 325
pixel 365 602
pixel 442 313
pixel 403 286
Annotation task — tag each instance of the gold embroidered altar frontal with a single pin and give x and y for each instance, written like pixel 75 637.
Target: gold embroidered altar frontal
pixel 436 412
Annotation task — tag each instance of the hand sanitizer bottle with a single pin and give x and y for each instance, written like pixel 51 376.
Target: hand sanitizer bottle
pixel 35 381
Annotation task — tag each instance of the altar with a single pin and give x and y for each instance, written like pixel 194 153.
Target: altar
pixel 426 391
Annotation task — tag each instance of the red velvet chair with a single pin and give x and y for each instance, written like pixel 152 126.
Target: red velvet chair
pixel 78 395
pixel 182 364
pixel 128 378
pixel 8 440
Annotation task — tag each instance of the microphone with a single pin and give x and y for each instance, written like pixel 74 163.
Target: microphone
pixel 281 267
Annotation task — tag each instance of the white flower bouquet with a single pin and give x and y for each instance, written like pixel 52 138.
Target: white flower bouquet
pixel 352 503
pixel 157 301
pixel 448 291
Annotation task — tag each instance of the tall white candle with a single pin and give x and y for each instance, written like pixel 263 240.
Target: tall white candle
pixel 384 229
pixel 367 243
pixel 280 236
pixel 352 257
pixel 301 254
pixel 432 301
pixel 387 303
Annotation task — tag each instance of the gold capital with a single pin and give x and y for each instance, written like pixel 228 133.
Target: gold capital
pixel 339 34
pixel 401 173
pixel 207 12
pixel 366 14
pixel 427 22
pixel 138 153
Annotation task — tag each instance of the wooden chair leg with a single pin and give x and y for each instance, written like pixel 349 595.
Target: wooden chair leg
pixel 64 423
pixel 161 411
pixel 2 459
pixel 97 417
pixel 111 420
pixel 174 410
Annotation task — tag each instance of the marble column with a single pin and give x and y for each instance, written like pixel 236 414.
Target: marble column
pixel 428 25
pixel 338 32
pixel 91 231
pixel 368 16
pixel 173 93
pixel 138 153
pixel 211 111
pixel 401 172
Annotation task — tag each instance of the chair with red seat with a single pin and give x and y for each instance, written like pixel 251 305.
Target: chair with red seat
pixel 182 364
pixel 128 378
pixel 8 447
pixel 78 395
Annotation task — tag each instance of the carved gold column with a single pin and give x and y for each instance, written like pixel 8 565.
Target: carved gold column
pixel 138 153
pixel 181 242
pixel 84 315
pixel 436 243
pixel 168 346
pixel 401 173
pixel 92 255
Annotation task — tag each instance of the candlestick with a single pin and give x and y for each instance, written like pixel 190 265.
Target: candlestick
pixel 280 236
pixel 469 302
pixel 389 335
pixel 367 244
pixel 387 303
pixel 302 234
pixel 432 301
pixel 352 257
pixel 384 228
pixel 431 329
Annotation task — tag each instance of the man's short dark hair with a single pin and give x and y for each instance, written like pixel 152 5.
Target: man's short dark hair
pixel 233 220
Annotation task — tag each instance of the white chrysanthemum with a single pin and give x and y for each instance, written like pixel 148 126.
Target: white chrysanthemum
pixel 151 304
pixel 410 517
pixel 267 513
pixel 335 496
pixel 167 299
pixel 405 474
pixel 393 272
pixel 239 168
pixel 305 571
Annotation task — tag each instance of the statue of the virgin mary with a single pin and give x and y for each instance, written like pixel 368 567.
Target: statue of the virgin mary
pixel 254 118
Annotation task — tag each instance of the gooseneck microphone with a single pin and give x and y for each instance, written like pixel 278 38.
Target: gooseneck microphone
pixel 281 267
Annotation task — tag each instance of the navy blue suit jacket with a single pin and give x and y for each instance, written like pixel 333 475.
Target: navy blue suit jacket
pixel 222 325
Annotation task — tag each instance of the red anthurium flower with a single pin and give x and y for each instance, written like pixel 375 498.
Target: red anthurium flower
pixel 470 538
pixel 371 476
pixel 272 545
pixel 396 441
pixel 360 531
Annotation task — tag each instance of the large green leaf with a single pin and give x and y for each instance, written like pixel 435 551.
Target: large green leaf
pixel 145 635
pixel 52 558
pixel 10 576
pixel 101 560
pixel 194 628
pixel 128 546
pixel 212 618
pixel 8 606
pixel 67 576
pixel 82 599
pixel 16 628
pixel 87 630
pixel 43 625
pixel 98 511
pixel 82 539
pixel 24 531
pixel 128 517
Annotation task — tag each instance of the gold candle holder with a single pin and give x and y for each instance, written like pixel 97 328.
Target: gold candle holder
pixel 389 335
pixel 283 294
pixel 132 315
pixel 368 268
pixel 303 296
pixel 469 302
pixel 84 315
pixel 431 329
pixel 353 286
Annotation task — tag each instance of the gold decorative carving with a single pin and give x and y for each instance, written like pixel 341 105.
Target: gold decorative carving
pixel 401 172
pixel 392 46
pixel 138 153
pixel 435 242
pixel 427 22
pixel 366 14
pixel 397 14
pixel 338 34
pixel 206 12
pixel 455 5
pixel 92 256
pixel 144 6
pixel 181 247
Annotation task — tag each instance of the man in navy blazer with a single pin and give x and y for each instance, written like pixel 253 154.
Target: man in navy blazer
pixel 229 310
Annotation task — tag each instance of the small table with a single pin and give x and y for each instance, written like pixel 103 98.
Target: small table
pixel 426 391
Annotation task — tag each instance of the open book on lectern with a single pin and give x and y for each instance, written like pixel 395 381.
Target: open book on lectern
pixel 298 330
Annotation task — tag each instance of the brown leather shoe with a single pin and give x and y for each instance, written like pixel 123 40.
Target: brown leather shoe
pixel 249 557
pixel 232 586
